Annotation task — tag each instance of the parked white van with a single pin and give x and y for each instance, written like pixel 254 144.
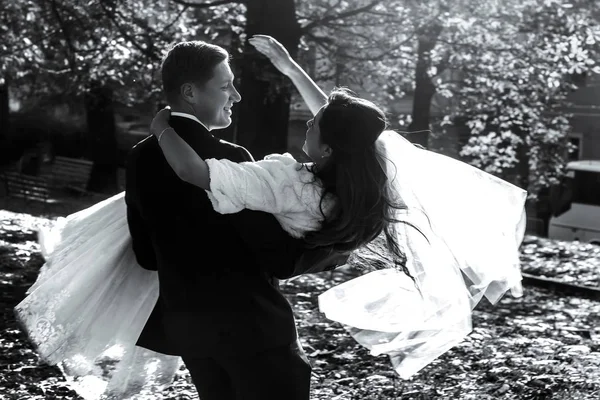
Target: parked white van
pixel 576 204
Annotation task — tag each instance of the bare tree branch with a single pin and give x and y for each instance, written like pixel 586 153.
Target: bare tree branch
pixel 324 42
pixel 339 16
pixel 381 56
pixel 169 25
pixel 385 53
pixel 207 5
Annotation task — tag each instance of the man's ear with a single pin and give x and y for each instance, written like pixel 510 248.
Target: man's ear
pixel 187 92
pixel 326 150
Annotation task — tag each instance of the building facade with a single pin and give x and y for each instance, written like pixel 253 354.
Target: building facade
pixel 585 134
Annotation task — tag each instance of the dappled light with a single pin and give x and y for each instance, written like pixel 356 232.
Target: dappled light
pixel 511 87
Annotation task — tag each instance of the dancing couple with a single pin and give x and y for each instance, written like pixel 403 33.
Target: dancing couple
pixel 184 266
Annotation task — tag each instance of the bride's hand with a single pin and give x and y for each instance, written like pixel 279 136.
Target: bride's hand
pixel 160 122
pixel 274 51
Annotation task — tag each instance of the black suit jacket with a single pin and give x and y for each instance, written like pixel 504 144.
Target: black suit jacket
pixel 219 292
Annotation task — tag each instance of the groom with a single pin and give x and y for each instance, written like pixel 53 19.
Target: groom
pixel 219 307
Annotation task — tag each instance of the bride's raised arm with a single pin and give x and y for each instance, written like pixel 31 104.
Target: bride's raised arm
pixel 312 95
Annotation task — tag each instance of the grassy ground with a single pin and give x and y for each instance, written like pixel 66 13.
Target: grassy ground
pixel 541 346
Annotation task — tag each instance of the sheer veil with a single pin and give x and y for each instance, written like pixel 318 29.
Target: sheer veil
pixel 461 238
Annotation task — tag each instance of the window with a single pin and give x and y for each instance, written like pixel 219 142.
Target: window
pixel 575 140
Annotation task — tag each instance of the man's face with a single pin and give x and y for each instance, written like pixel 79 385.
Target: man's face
pixel 212 101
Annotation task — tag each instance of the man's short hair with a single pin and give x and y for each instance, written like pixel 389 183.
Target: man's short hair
pixel 192 62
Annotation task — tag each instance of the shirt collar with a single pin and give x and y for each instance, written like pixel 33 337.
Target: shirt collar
pixel 190 116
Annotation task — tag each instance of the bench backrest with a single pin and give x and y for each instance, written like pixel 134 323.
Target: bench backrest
pixel 72 171
pixel 26 186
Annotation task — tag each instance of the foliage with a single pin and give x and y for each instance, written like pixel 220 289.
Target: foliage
pixel 503 68
pixel 62 47
pixel 365 45
pixel 516 80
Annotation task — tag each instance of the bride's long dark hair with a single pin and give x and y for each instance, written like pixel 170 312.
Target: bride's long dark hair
pixel 365 206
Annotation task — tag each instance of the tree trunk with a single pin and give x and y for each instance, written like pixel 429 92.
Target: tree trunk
pixel 102 139
pixel 424 88
pixel 262 123
pixel 4 124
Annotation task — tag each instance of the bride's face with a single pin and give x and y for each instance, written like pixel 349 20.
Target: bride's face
pixel 313 146
pixel 212 101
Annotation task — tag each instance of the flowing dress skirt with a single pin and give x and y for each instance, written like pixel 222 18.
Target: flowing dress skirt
pixel 90 303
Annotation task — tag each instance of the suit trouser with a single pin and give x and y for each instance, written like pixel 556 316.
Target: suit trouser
pixel 277 373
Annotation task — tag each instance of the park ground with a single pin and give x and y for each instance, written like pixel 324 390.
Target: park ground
pixel 544 345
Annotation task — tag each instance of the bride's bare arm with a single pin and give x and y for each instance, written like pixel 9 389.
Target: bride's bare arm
pixel 312 95
pixel 184 161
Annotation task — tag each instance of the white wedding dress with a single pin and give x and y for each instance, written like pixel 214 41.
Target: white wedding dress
pixel 89 304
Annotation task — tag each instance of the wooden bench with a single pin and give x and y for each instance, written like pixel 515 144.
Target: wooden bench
pixel 71 173
pixel 26 187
